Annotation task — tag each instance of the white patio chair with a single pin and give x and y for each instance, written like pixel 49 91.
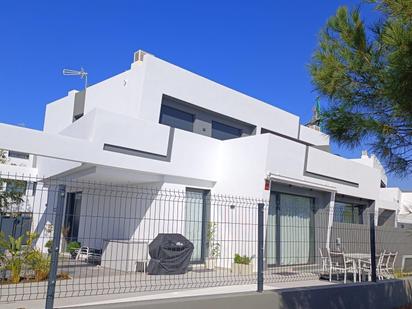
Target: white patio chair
pixel 338 263
pixel 324 259
pixel 85 254
pixel 388 265
pixel 366 267
pixel 82 254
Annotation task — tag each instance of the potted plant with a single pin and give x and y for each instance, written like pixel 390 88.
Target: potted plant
pixel 242 265
pixel 213 246
pixel 49 245
pixel 72 247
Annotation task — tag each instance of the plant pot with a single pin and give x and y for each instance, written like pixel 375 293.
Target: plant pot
pixel 210 263
pixel 242 269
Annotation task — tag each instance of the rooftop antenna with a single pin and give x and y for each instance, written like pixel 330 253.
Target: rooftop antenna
pixel 82 73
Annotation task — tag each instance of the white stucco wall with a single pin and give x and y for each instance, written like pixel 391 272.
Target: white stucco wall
pixel 374 162
pixel 118 94
pixel 312 136
pixel 285 157
pixel 406 203
pixel 241 166
pixel 59 114
pixel 165 78
pixel 367 178
pixel 389 198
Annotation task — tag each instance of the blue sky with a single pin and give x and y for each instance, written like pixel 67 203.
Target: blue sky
pixel 260 48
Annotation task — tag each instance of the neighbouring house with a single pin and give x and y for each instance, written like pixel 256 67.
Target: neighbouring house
pixel 16 220
pixel 160 127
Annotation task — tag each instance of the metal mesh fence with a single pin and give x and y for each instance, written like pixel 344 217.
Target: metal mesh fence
pixel 121 239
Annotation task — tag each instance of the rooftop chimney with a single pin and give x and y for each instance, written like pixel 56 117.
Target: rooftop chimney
pixel 139 55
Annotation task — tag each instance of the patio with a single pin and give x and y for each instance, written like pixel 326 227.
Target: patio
pixel 86 279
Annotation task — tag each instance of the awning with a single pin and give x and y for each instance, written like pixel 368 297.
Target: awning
pixel 301 183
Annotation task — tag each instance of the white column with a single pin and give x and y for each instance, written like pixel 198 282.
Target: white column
pixel 330 219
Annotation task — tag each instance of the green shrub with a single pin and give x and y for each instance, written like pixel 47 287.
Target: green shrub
pixel 71 246
pixel 242 259
pixel 49 244
pixel 14 253
pixel 40 264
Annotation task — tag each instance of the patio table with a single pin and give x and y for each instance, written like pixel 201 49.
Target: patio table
pixel 357 258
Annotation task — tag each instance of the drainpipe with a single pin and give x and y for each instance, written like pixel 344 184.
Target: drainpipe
pixel 330 219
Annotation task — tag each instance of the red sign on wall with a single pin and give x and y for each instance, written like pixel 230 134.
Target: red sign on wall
pixel 267 184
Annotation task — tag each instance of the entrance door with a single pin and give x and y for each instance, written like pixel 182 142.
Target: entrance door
pixel 290 230
pixel 195 222
pixel 72 216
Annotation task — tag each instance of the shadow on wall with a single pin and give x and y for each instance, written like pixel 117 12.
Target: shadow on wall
pixel 44 213
pixel 119 214
pixel 107 212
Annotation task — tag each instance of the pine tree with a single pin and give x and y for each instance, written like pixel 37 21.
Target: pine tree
pixel 365 73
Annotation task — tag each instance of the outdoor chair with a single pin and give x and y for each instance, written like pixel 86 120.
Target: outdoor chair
pixel 324 259
pixel 89 255
pixel 339 263
pixel 366 266
pixel 388 265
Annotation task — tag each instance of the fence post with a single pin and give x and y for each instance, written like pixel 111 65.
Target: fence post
pixel 373 245
pixel 260 248
pixel 58 222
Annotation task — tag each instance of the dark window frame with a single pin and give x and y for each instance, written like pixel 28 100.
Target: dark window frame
pixel 223 126
pixel 176 113
pixel 18 155
pixel 351 207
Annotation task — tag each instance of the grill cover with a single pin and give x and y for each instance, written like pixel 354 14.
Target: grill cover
pixel 170 254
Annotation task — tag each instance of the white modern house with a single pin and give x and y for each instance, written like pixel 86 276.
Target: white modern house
pixel 157 125
pixel 20 163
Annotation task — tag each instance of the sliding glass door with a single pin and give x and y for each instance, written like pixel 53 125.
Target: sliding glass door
pixel 290 230
pixel 196 222
pixel 72 216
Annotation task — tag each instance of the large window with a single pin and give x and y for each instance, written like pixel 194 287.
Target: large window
pixel 176 118
pixel 186 116
pixel 223 132
pixel 348 213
